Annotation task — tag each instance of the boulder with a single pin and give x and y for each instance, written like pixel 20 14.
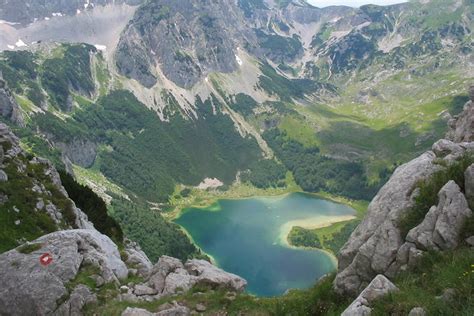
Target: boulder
pixel 469 183
pixel 3 176
pixel 138 259
pixel 374 244
pixel 379 287
pixel 22 276
pixel 80 296
pixel 471 93
pixel 209 274
pixel 417 311
pixel 441 228
pixel 165 310
pixel 141 290
pixel 443 148
pixel 136 312
pixel 165 266
pixel 462 126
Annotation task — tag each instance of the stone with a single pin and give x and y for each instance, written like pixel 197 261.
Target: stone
pixel 443 148
pixel 374 244
pixel 448 296
pixel 99 281
pixel 417 311
pixel 469 183
pixel 462 126
pixel 471 93
pixel 441 228
pixel 379 287
pixel 161 269
pixel 470 241
pixel 212 275
pixel 136 312
pixel 138 259
pixel 141 290
pixel 70 249
pixel 3 176
pixel 17 222
pixel 124 289
pixel 201 308
pixel 80 297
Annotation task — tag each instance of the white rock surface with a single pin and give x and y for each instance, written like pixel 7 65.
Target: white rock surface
pixel 379 287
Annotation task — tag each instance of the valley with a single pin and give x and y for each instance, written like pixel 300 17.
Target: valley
pixel 251 132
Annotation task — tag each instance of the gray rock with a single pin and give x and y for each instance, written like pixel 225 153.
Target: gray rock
pixel 9 108
pixel 211 275
pixel 471 93
pixel 179 282
pixel 440 230
pixel 200 308
pixel 165 266
pixel 80 296
pixel 99 281
pixel 469 183
pixel 448 296
pixel 81 152
pixel 141 290
pixel 462 126
pixel 470 241
pixel 417 311
pixel 373 246
pixel 443 148
pixel 3 176
pixel 138 259
pixel 379 287
pixel 136 312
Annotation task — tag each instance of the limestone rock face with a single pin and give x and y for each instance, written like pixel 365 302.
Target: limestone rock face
pixel 29 288
pixel 170 276
pixel 138 259
pixel 9 108
pixel 379 287
pixel 462 126
pixel 80 296
pixel 374 244
pixel 441 227
pixel 167 310
pixel 469 185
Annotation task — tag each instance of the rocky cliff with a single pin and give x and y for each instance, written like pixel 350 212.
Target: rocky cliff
pixel 40 219
pixel 401 225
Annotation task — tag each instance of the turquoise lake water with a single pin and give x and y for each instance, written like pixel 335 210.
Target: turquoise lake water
pixel 247 237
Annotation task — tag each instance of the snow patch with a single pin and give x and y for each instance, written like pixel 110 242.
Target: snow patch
pixel 78 11
pixel 8 23
pixel 11 46
pixel 46 19
pixel 101 47
pixel 20 43
pixel 57 14
pixel 239 61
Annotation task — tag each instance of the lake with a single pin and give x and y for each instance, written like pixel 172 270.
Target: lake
pixel 248 237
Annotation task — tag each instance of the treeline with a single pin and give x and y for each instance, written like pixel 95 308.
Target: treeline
pixel 314 172
pixel 155 235
pixel 94 207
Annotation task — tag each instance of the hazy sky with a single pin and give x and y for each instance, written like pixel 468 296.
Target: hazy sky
pixel 352 3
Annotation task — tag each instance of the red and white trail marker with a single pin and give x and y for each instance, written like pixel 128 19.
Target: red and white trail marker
pixel 46 259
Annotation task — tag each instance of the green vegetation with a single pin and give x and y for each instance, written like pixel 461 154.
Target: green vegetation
pixel 94 207
pixel 330 238
pixel 436 272
pixel 286 89
pixel 155 235
pixel 71 71
pixel 29 248
pixel 315 172
pixel 429 189
pixel 178 151
pixel 266 173
pixel 243 104
pixel 18 218
pixel 280 48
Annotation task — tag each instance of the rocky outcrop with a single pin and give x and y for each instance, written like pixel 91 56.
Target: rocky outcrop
pixel 373 245
pixel 9 108
pixel 27 11
pixel 204 39
pixel 377 246
pixel 29 288
pixel 81 152
pixel 137 259
pixel 462 125
pixel 440 230
pixel 167 310
pixel 170 276
pixel 379 287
